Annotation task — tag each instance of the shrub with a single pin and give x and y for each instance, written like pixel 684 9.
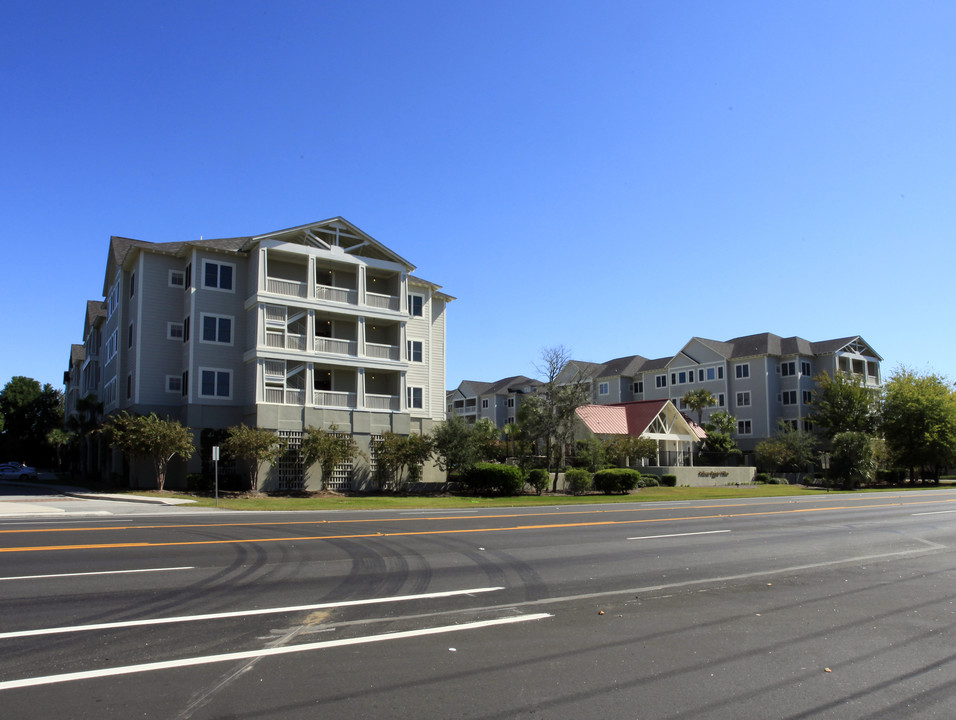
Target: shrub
pixel 669 480
pixel 762 478
pixel 650 480
pixel 620 480
pixel 577 481
pixel 538 479
pixel 489 478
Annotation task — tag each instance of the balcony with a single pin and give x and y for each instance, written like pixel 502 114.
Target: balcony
pixel 383 302
pixel 382 352
pixel 331 293
pixel 336 346
pixel 382 402
pixel 332 398
pixel 284 341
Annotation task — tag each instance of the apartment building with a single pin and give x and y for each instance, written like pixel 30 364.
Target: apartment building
pixel 759 379
pixel 316 325
pixel 498 401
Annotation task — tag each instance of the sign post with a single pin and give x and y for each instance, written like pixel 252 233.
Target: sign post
pixel 215 461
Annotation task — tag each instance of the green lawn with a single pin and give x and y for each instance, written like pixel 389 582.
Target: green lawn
pixel 388 502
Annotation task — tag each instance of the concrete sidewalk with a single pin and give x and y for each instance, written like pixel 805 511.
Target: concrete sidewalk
pixel 31 499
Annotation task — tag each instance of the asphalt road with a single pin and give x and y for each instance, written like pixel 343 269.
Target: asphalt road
pixel 816 607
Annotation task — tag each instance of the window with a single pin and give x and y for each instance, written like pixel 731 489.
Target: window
pixel 174 384
pixel 217 275
pixel 788 369
pixel 720 372
pixel 132 284
pixel 129 336
pixel 681 404
pixel 112 301
pixel 673 378
pixel 217 329
pixel 720 399
pixel 510 403
pixel 661 381
pixel 788 397
pixel 743 399
pixel 189 276
pixel 744 427
pixel 174 331
pixel 177 278
pixel 186 329
pixel 792 424
pixel 414 350
pixel 484 403
pixel 215 383
pixel 639 387
pixel 416 304
pixel 511 419
pixel 414 397
pixel 711 373
pixel 185 382
pixel 111 347
pixel 129 386
pixel 603 388
pixel 682 377
pixel 700 375
pixel 109 393
pixel 805 368
pixel 807 426
pixel 807 397
pixel 743 371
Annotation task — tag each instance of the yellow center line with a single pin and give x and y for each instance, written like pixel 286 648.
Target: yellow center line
pixel 447 531
pixel 435 518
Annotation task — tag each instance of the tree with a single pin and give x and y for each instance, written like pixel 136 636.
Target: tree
pixel 720 442
pixel 698 400
pixel 254 446
pixel 550 414
pixel 513 433
pixel 919 421
pixel 397 453
pixel 151 437
pixel 84 423
pixel 854 458
pixel 790 450
pixel 621 450
pixel 842 403
pixel 454 450
pixel 29 412
pixel 58 439
pixel 328 448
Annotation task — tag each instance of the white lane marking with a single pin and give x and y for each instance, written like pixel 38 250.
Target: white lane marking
pixel 654 537
pixel 265 652
pixel 935 512
pixel 240 613
pixel 101 572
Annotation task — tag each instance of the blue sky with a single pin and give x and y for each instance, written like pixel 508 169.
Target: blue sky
pixel 614 177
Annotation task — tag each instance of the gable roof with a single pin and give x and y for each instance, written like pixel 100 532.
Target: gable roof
pixel 631 418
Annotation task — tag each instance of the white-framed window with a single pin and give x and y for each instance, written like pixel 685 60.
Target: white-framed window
pixel 129 386
pixel 111 347
pixel 681 405
pixel 661 381
pixel 711 373
pixel 789 368
pixel 177 278
pixel 603 388
pixel 807 397
pixel 174 331
pixel 185 383
pixel 788 397
pixel 112 300
pixel 414 397
pixel 186 329
pixel 218 275
pixel 639 387
pixel 682 376
pixel 132 284
pixel 414 349
pixel 807 426
pixel 742 371
pixel 216 329
pixel 805 368
pixel 174 384
pixel 129 336
pixel 792 424
pixel 744 427
pixel 511 419
pixel 484 403
pixel 743 398
pixel 510 402
pixel 416 305
pixel 700 375
pixel 720 399
pixel 109 393
pixel 215 383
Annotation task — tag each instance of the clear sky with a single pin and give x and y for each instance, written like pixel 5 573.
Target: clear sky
pixel 614 177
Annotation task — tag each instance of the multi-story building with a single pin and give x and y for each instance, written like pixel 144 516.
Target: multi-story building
pixel 759 379
pixel 317 325
pixel 498 401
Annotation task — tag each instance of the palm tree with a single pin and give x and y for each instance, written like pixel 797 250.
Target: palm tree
pixel 699 399
pixel 512 431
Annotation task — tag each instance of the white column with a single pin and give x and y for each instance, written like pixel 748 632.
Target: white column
pixel 360 388
pixel 310 328
pixel 362 285
pixel 310 279
pixel 360 338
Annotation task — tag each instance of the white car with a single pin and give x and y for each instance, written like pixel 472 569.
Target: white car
pixel 17 471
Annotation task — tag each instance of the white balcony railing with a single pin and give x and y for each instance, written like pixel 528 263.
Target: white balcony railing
pixel 381 352
pixel 331 398
pixel 336 346
pixel 385 302
pixel 336 294
pixel 381 402
pixel 285 341
pixel 286 287
pixel 281 396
